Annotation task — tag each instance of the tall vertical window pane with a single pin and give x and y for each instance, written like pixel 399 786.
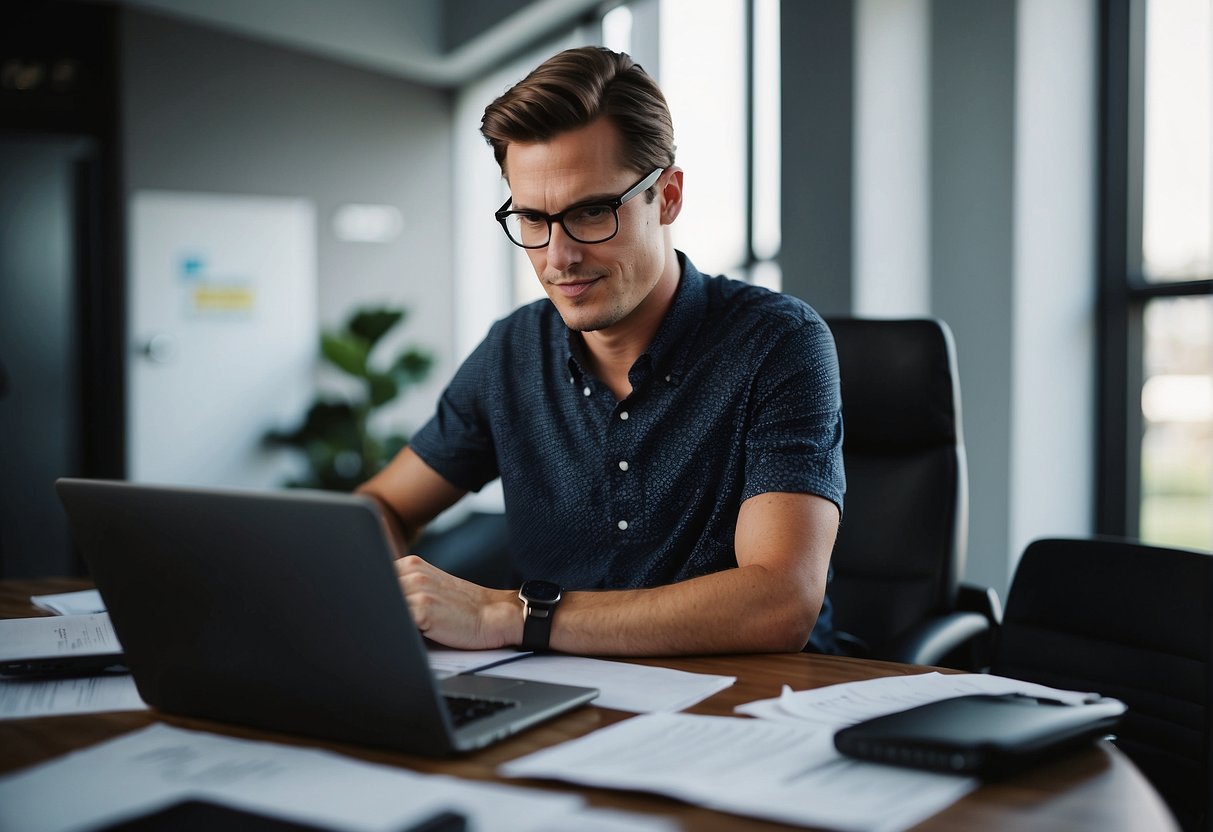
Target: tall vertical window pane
pixel 703 75
pixel 767 233
pixel 1177 406
pixel 617 29
pixel 1177 233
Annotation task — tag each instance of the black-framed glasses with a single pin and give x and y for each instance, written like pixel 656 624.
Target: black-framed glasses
pixel 595 221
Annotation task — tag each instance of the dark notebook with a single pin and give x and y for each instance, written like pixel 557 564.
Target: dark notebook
pixel 981 735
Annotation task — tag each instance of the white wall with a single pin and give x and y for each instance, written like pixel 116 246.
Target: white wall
pixel 1053 380
pixel 892 197
pixel 974 200
pixel 205 111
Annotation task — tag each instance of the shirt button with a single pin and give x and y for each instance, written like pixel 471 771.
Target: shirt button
pixel 668 378
pixel 623 465
pixel 623 525
pixel 586 391
pixel 624 415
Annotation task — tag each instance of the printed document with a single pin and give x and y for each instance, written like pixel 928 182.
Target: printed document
pixel 837 706
pixel 58 636
pixel 753 767
pixel 160 765
pixel 446 662
pixel 22 698
pixel 637 688
pixel 83 602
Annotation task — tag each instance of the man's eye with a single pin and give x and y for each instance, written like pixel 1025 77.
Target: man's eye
pixel 592 213
pixel 531 220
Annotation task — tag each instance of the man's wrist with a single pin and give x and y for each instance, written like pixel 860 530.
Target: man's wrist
pixel 503 618
pixel 540 600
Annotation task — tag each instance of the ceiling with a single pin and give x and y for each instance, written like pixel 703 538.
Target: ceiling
pixel 438 42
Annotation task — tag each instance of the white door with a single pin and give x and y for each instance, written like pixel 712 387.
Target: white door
pixel 223 328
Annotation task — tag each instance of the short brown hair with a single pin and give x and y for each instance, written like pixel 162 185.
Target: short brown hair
pixel 574 88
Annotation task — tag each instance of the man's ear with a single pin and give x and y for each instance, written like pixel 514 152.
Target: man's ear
pixel 671 194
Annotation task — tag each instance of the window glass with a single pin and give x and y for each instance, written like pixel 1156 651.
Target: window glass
pixel 703 75
pixel 1177 232
pixel 767 169
pixel 617 29
pixel 1177 410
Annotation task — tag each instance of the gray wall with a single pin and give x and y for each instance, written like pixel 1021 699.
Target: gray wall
pixel 972 160
pixel 208 111
pixel 817 54
pixel 1009 195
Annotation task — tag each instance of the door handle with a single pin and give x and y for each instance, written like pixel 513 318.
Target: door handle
pixel 161 348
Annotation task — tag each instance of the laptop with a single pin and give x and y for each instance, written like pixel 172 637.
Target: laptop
pixel 281 610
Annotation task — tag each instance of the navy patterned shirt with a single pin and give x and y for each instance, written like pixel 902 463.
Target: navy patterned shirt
pixel 737 395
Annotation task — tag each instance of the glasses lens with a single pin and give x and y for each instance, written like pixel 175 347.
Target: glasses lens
pixel 585 224
pixel 591 223
pixel 529 230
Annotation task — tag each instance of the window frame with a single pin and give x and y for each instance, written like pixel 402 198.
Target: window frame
pixel 1123 291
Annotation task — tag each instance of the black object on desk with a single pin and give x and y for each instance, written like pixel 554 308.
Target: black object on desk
pixel 63 666
pixel 983 735
pixel 204 816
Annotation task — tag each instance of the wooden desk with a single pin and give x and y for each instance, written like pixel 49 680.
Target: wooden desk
pixel 1097 789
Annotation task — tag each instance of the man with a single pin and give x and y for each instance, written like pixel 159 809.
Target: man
pixel 669 444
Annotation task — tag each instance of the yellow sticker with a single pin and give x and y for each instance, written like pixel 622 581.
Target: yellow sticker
pixel 223 298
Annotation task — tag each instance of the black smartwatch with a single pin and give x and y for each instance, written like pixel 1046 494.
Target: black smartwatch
pixel 539 600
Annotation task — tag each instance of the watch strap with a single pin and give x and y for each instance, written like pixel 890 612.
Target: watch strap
pixel 537 629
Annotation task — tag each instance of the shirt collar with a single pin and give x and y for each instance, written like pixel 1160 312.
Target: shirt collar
pixel 667 354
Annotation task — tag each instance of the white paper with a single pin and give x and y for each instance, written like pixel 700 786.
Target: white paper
pixel 624 687
pixel 22 698
pixel 749 767
pixel 445 662
pixel 161 765
pixel 58 636
pixel 837 706
pixel 607 820
pixel 84 602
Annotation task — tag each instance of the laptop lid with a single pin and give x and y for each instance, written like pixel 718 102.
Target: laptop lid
pixel 279 610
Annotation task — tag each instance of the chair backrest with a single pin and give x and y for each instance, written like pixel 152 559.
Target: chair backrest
pixel 1130 621
pixel 901 545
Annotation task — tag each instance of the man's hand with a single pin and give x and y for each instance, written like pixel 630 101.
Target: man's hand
pixel 458 613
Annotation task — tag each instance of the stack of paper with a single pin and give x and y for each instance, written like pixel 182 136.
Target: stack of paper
pixel 749 767
pixel 837 706
pixel 52 639
pixel 158 766
pixel 84 602
pixel 783 766
pixel 623 686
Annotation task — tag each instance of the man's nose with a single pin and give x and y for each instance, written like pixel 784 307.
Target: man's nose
pixel 563 250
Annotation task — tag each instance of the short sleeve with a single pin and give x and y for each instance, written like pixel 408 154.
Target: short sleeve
pixel 794 443
pixel 457 441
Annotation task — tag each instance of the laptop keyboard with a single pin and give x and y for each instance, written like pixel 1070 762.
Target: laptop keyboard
pixel 465 709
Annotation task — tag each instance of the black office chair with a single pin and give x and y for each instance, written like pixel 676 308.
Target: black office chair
pixel 901 546
pixel 1130 621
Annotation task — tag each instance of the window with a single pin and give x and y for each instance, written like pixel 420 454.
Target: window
pixel 1156 340
pixel 719 70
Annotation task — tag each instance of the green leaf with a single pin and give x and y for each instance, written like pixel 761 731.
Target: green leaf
pixel 383 388
pixel 373 324
pixel 413 366
pixel 349 352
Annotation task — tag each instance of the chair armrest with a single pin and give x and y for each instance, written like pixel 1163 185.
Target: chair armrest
pixel 935 638
pixel 982 599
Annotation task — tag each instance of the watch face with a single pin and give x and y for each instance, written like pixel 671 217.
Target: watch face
pixel 540 592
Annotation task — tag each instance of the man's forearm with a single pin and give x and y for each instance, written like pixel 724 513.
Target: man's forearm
pixel 744 610
pixel 402 536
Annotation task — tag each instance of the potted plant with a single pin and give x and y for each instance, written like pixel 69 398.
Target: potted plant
pixel 337 438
